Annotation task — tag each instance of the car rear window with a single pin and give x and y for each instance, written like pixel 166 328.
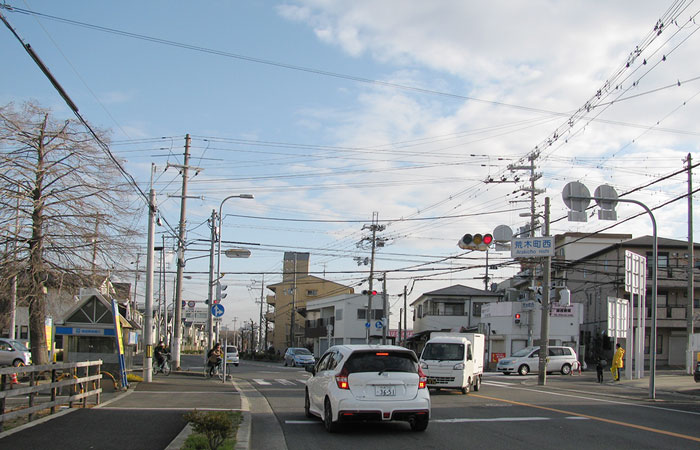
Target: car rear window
pixel 231 350
pixel 301 351
pixel 444 351
pixel 378 360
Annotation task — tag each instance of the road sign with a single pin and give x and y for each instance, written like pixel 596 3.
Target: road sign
pixel 367 324
pixel 191 303
pixel 378 324
pixel 532 247
pixel 217 310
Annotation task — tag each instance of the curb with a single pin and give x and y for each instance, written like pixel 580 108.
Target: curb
pixel 245 428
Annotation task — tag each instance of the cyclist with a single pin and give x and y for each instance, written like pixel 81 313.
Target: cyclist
pixel 159 352
pixel 214 357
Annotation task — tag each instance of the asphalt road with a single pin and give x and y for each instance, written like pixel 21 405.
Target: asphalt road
pixel 508 412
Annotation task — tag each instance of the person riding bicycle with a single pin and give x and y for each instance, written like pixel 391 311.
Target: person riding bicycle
pixel 214 356
pixel 159 352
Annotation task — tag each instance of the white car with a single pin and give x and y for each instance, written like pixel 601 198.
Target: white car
pixel 14 353
pixel 356 383
pixel 232 355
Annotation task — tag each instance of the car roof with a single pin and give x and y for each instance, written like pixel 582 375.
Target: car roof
pixel 348 348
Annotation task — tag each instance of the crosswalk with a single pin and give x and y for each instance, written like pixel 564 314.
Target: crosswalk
pixel 277 381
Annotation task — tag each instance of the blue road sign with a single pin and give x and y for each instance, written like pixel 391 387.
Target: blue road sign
pixel 217 310
pixel 367 324
pixel 378 324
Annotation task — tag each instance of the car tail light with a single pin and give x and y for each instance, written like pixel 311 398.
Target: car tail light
pixel 342 379
pixel 422 379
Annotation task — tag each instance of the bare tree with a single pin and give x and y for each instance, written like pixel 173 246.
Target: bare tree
pixel 64 208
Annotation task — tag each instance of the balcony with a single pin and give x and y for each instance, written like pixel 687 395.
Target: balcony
pixel 318 327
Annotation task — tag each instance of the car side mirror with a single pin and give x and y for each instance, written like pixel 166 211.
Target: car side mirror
pixel 311 369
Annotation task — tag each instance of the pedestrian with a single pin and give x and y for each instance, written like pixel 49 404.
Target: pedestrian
pixel 618 362
pixel 599 369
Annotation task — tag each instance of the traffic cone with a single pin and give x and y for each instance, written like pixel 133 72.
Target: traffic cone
pixel 13 379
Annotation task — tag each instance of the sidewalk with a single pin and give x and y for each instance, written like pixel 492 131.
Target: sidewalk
pixel 147 416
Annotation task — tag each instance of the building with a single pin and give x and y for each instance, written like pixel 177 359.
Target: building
pixel 291 296
pixel 451 307
pixel 342 319
pixel 601 274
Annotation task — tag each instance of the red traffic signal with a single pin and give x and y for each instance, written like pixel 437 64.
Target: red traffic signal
pixel 367 292
pixel 517 318
pixel 477 241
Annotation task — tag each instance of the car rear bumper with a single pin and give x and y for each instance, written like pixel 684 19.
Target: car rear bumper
pixel 354 410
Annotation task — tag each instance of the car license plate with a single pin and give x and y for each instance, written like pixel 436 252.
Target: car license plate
pixel 385 391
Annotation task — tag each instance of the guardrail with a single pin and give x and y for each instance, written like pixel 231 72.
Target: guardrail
pixel 80 382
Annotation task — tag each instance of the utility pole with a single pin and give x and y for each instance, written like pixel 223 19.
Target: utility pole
pixel 294 304
pixel 374 228
pixel 177 329
pixel 235 331
pixel 532 189
pixel 544 320
pixel 262 294
pixel 13 281
pixel 405 323
pixel 212 282
pixel 690 313
pixel 385 309
pixel 148 325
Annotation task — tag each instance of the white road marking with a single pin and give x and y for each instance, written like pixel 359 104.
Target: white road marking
pixel 261 381
pixel 301 422
pixel 492 419
pixel 285 382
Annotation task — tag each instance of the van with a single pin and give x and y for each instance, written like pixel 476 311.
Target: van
pixel 561 359
pixel 454 361
pixel 232 355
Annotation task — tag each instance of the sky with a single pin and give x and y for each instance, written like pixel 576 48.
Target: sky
pixel 331 111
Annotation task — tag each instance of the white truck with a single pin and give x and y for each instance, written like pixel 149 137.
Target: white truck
pixel 454 361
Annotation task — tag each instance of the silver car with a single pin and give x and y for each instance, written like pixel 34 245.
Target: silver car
pixel 561 359
pixel 14 353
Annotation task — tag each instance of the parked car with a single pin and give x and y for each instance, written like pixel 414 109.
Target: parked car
pixel 232 355
pixel 14 353
pixel 298 356
pixel 561 359
pixel 696 374
pixel 357 383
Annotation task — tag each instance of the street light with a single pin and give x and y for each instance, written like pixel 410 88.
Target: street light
pixel 210 318
pixel 577 197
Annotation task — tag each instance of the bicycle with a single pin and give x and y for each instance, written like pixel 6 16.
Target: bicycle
pixel 216 370
pixel 162 368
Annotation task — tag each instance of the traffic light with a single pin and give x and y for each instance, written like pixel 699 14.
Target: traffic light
pixel 366 292
pixel 220 295
pixel 517 318
pixel 477 241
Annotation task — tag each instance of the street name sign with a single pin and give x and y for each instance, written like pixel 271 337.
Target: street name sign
pixel 532 247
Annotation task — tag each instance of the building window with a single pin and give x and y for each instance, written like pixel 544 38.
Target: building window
pixel 361 314
pixel 454 309
pixel 338 314
pixel 420 311
pixel 476 309
pixel 377 314
pixel 312 292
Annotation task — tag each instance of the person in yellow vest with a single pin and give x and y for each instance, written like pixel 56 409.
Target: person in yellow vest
pixel 618 362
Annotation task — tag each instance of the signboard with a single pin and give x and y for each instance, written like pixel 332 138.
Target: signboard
pixel 495 357
pixel 532 247
pixel 217 310
pixel 197 315
pixel 561 311
pixel 75 331
pixel 618 313
pixel 528 306
pixel 635 273
pixel 120 343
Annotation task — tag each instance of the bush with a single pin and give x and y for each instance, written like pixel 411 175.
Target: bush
pixel 213 427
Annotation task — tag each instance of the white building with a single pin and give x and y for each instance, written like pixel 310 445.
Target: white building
pixel 449 308
pixel 341 319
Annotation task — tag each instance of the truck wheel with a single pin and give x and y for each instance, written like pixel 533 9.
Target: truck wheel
pixel 477 384
pixel 465 389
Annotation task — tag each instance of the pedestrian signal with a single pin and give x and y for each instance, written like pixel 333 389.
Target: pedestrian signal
pixel 517 318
